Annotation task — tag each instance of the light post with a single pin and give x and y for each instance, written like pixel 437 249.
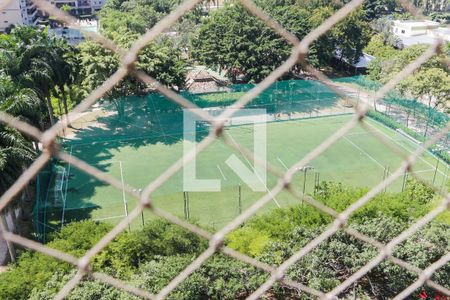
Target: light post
pixel 305 170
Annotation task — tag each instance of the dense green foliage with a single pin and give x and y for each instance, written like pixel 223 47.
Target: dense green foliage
pixel 42 78
pixel 124 22
pixel 152 257
pixel 430 83
pixel 33 269
pixel 33 69
pixel 15 152
pixel 389 122
pixel 233 40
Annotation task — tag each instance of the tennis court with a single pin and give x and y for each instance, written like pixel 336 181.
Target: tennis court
pixel 359 159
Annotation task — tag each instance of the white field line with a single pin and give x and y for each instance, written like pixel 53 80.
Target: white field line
pixel 220 170
pixel 279 159
pixel 256 173
pixel 367 154
pixel 109 218
pixel 123 189
pixel 421 171
pixel 409 151
pixel 357 133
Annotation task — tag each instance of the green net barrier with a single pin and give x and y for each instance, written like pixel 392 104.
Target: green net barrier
pixel 154 116
pixel 42 185
pixel 122 136
pixel 412 116
pixel 50 199
pixel 399 101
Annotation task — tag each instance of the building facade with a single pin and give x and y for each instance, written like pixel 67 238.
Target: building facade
pixel 80 7
pixel 18 12
pixel 413 28
pixel 412 32
pixel 25 12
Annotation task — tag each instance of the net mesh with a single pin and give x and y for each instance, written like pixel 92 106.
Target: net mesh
pixel 300 49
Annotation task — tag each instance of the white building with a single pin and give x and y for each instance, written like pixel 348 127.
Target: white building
pixel 25 12
pixel 18 12
pixel 412 32
pixel 412 27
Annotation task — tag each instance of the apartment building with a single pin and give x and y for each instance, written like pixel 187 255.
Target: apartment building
pixel 25 12
pixel 18 12
pixel 80 7
pixel 414 32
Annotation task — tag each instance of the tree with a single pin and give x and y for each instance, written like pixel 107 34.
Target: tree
pixel 378 8
pixel 66 8
pixel 20 101
pixel 384 28
pixel 35 61
pixel 351 35
pixel 233 40
pixel 379 48
pixel 432 85
pixel 15 153
pixel 159 60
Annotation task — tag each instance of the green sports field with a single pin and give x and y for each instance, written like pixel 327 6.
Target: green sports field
pixel 358 159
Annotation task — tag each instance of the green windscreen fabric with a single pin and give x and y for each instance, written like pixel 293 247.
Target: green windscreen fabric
pixel 154 115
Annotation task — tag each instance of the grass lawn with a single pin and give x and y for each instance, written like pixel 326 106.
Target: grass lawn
pixel 358 159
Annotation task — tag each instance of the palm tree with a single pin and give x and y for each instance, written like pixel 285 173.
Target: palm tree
pixel 15 154
pixel 39 63
pixel 29 69
pixel 20 102
pixel 64 67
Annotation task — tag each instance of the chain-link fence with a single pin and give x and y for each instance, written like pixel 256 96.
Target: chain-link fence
pixel 409 114
pixel 216 241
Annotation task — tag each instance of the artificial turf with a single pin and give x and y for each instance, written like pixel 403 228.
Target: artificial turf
pixel 358 159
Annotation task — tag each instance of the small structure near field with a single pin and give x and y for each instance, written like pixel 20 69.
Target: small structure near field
pixel 203 80
pixel 413 27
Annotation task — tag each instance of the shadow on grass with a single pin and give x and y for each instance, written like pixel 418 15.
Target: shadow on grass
pixel 141 121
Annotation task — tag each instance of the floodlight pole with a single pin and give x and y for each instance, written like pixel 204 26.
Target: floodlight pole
pixel 240 199
pixel 305 170
pixel 316 182
pixel 436 169
pixel 186 205
pixel 405 180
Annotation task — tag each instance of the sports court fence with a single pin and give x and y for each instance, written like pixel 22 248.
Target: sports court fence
pixel 155 115
pixel 50 199
pixel 408 114
pixel 216 240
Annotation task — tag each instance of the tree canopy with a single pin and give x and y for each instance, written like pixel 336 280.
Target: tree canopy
pixel 233 40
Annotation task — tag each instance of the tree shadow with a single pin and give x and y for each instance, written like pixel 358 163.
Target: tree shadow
pixel 139 124
pixel 149 120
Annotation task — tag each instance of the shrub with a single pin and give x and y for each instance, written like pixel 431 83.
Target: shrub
pixel 33 269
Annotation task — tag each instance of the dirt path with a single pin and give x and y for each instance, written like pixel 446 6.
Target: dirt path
pixel 357 93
